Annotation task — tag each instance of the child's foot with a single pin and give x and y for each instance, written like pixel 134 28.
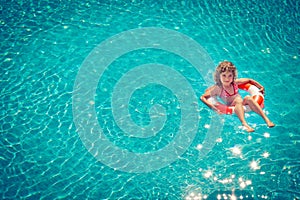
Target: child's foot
pixel 248 128
pixel 270 124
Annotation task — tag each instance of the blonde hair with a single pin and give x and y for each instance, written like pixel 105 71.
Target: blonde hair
pixel 223 67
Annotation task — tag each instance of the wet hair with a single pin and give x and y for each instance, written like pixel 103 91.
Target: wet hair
pixel 223 67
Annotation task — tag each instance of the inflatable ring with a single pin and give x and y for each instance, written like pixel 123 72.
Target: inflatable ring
pixel 253 91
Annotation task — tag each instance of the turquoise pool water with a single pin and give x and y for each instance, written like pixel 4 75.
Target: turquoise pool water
pixel 43 46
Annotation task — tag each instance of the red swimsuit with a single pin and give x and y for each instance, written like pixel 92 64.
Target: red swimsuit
pixel 224 94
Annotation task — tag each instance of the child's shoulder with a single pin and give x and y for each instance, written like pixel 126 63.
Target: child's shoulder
pixel 214 89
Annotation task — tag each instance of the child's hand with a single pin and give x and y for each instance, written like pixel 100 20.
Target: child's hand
pixel 262 90
pixel 217 110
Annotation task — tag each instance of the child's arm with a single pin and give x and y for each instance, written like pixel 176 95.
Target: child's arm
pixel 251 81
pixel 211 91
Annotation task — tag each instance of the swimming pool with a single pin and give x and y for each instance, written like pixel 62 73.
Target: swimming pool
pixel 44 45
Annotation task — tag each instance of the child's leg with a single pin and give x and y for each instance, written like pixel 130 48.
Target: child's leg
pixel 256 108
pixel 239 111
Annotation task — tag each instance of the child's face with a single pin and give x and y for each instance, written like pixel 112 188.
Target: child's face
pixel 226 78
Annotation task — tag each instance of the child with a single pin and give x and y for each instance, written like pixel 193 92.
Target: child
pixel 226 88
